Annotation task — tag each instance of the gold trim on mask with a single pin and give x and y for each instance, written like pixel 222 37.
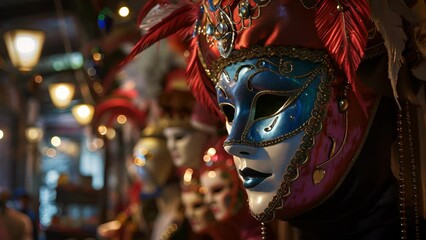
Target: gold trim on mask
pixel 301 157
pixel 315 56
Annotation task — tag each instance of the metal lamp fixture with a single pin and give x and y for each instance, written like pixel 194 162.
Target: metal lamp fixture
pixel 24 47
pixel 61 94
pixel 83 113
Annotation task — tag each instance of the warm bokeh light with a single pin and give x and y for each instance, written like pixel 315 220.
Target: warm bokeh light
pixel 202 190
pixel 1 134
pixel 187 176
pixel 61 94
pixel 211 174
pixel 139 161
pixel 110 134
pixel 206 158
pixel 123 11
pixel 38 79
pixel 95 144
pixel 102 129
pixel 83 113
pixel 121 119
pixel 56 141
pixel 51 152
pixel 211 151
pixel 33 134
pixel 98 88
pixel 97 56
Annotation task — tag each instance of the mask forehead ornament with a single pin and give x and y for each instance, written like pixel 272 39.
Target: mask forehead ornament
pixel 220 26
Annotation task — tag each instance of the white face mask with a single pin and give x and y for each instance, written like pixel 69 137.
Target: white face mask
pixel 271 160
pixel 185 145
pixel 219 194
pixel 196 211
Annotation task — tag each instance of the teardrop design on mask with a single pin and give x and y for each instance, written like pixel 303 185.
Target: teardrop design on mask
pixel 318 176
pixel 343 104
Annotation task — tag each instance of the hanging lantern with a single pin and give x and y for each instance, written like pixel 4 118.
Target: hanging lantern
pixel 83 113
pixel 24 47
pixel 61 94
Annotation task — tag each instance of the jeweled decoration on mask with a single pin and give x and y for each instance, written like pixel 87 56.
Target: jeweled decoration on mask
pixel 222 25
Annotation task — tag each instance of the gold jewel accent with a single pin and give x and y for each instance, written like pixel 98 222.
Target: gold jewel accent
pixel 318 176
pixel 220 26
pixel 343 103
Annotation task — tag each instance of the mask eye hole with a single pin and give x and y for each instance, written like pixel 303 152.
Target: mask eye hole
pixel 229 112
pixel 268 104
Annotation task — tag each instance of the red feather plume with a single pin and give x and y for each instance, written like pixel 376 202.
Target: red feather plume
pixel 201 85
pixel 148 6
pixel 180 20
pixel 341 26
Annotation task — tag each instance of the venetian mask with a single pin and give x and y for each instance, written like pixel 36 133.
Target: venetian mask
pixel 288 110
pixel 268 102
pixel 219 193
pixel 197 211
pixel 185 145
pixel 219 179
pixel 152 161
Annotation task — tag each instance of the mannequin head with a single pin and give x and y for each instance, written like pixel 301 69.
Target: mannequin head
pixel 185 130
pixel 152 161
pixel 187 137
pixel 196 210
pixel 185 145
pixel 219 179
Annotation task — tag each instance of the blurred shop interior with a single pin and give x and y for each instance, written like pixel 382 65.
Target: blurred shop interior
pixel 69 119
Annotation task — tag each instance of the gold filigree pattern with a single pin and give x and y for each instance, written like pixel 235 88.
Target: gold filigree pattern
pixel 315 56
pixel 220 27
pixel 292 98
pixel 311 129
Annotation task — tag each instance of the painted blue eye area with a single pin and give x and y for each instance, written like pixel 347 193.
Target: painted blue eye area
pixel 268 99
